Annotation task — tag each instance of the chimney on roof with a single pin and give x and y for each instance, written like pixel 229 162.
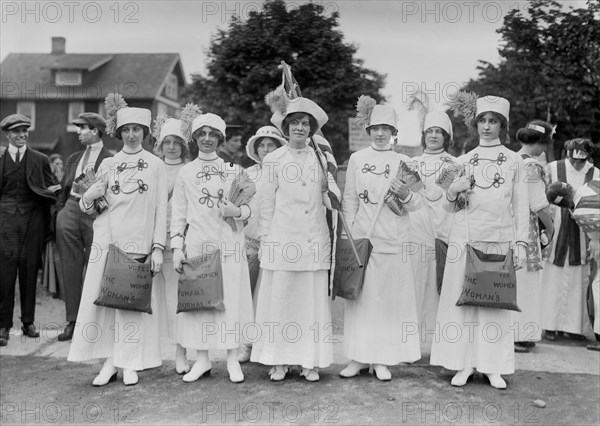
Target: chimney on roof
pixel 58 45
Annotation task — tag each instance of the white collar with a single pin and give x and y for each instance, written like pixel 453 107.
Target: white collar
pixel 13 149
pixel 490 144
pixel 95 146
pixel 387 147
pixel 173 162
pixel 211 156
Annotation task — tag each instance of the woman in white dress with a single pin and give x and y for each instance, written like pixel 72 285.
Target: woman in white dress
pixel 496 217
pixel 432 221
pixel 266 140
pixel 134 183
pixel 534 139
pixel 293 310
pixel 200 204
pixel 380 326
pixel 172 147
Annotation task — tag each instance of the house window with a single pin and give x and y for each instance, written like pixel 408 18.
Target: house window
pixel 161 109
pixel 75 108
pixel 68 78
pixel 102 109
pixel 28 110
pixel 171 88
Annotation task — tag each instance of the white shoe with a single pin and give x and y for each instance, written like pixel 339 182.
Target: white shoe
pixel 235 371
pixel 245 352
pixel 130 377
pixel 382 372
pixel 277 373
pixel 107 374
pixel 353 369
pixel 496 381
pixel 460 378
pixel 181 362
pixel 310 374
pixel 200 369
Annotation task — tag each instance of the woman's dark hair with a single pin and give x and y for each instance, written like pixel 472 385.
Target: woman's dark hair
pixel 530 135
pixel 503 125
pixel 446 139
pixel 392 128
pixel 185 151
pixel 285 126
pixel 145 129
pixel 196 135
pixel 257 143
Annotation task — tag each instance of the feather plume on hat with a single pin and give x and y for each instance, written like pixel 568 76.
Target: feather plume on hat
pixel 465 104
pixel 113 103
pixel 277 100
pixel 419 101
pixel 157 125
pixel 188 113
pixel 364 108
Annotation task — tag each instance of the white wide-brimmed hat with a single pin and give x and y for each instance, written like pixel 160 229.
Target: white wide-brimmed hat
pixel 263 132
pixel 210 120
pixel 493 104
pixel 131 115
pixel 438 119
pixel 301 105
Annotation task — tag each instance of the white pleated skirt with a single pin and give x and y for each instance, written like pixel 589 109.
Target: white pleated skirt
pixel 132 339
pixel 203 330
pixel 468 336
pixel 381 326
pixel 293 320
pixel 527 324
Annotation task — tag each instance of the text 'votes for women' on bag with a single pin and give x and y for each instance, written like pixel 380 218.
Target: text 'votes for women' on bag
pixel 126 282
pixel 348 277
pixel 200 286
pixel 490 281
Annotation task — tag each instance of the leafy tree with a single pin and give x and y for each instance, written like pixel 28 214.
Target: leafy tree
pixel 549 69
pixel 243 67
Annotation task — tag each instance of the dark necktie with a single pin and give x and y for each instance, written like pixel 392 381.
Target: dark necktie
pixel 18 157
pixel 85 160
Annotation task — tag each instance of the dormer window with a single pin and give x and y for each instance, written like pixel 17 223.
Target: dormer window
pixel 68 78
pixel 171 88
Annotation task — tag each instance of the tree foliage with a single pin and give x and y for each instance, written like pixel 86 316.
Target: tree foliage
pixel 549 69
pixel 243 67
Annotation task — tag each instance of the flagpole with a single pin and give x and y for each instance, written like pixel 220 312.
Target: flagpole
pixel 294 92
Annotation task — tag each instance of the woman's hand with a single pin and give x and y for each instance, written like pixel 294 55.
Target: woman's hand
pixel 228 209
pixel 94 192
pixel 399 188
pixel 156 261
pixel 519 256
pixel 595 249
pixel 54 188
pixel 462 184
pixel 178 257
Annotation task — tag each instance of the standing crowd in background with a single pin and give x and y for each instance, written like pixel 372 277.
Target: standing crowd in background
pixel 260 230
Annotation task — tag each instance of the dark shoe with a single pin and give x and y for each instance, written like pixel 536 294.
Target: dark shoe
pixel 594 346
pixel 4 336
pixel 67 334
pixel 30 331
pixel 527 344
pixel 550 335
pixel 577 337
pixel 519 348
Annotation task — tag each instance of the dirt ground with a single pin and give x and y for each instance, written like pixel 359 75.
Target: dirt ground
pixel 38 386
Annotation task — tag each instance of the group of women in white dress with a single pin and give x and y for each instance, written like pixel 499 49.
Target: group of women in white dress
pixel 276 260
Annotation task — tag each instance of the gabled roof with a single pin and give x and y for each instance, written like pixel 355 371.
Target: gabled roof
pixel 134 75
pixel 78 61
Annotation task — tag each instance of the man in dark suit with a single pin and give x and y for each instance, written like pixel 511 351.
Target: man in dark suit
pixel 26 193
pixel 74 230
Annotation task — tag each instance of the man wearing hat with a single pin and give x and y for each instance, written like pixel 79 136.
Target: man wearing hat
pixel 26 193
pixel 74 230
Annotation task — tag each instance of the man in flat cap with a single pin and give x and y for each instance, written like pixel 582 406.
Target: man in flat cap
pixel 26 193
pixel 74 230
